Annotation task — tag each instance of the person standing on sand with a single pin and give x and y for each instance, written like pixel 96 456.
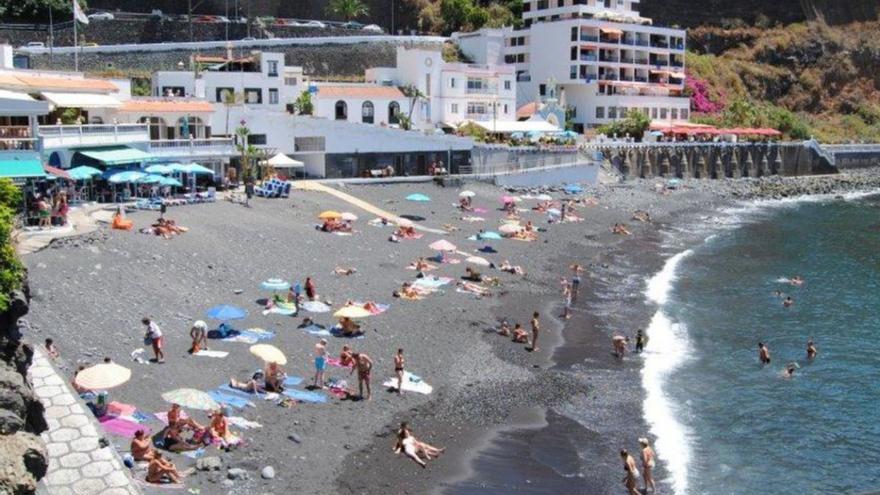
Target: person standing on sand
pixel 364 366
pixel 566 299
pixel 154 333
pixel 811 350
pixel 199 335
pixel 641 340
pixel 310 289
pixel 399 362
pixel 648 463
pixel 536 330
pixel 619 343
pixel 248 192
pixel 763 353
pixel 576 271
pixel 320 362
pixel 632 472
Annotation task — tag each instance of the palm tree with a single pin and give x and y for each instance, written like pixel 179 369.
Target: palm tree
pixel 412 92
pixel 230 99
pixel 348 9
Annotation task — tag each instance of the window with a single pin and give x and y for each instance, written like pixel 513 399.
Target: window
pixel 223 93
pixel 574 53
pixel 476 85
pixel 453 108
pixel 173 91
pixel 507 84
pixel 542 89
pixel 256 139
pixel 273 68
pixel 663 113
pixel 510 59
pixel 527 6
pixel 520 58
pixel 367 112
pixel 476 109
pixel 253 96
pixel 574 33
pixel 451 82
pixel 290 108
pixel 506 111
pixel 427 84
pixel 273 96
pixel 683 114
pixel 612 112
pixel 653 113
pixel 573 72
pixel 341 110
pixel 542 4
pixel 394 113
pixel 291 81
pixel 309 143
pixel 674 114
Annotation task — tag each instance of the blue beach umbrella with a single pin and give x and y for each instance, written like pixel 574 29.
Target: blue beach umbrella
pixel 125 177
pixel 159 169
pixel 150 179
pixel 83 172
pixel 169 181
pixel 517 135
pixel 225 312
pixel 176 167
pixel 195 168
pixel 418 197
pixel 274 284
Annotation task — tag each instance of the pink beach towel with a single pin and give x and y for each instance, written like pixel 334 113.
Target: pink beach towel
pixel 121 427
pixel 120 409
pixel 163 416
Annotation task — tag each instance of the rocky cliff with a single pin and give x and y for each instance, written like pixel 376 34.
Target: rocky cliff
pixel 716 12
pixel 23 460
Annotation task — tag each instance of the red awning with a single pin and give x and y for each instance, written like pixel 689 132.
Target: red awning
pixel 57 172
pixel 611 31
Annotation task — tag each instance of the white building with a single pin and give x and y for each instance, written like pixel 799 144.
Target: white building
pixel 602 56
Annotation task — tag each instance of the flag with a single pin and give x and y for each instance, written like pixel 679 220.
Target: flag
pixel 78 14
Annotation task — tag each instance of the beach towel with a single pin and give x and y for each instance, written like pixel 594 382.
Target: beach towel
pixel 336 362
pixel 121 427
pixel 480 210
pixel 251 336
pixel 279 311
pixel 161 486
pixel 431 282
pixel 292 381
pixel 213 354
pixel 378 310
pixel 315 307
pixel 245 424
pixel 306 396
pixel 417 297
pixel 473 219
pixel 120 409
pixel 195 454
pixel 411 383
pixel 225 388
pixel 230 400
pixel 337 332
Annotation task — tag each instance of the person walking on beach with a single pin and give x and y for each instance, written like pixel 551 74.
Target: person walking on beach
pixel 399 361
pixel 632 473
pixel 641 340
pixel 648 463
pixel 536 330
pixel 320 362
pixel 566 299
pixel 763 353
pixel 364 366
pixel 199 335
pixel 811 350
pixel 576 271
pixel 154 334
pixel 248 192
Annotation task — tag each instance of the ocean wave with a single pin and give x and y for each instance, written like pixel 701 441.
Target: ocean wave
pixel 664 353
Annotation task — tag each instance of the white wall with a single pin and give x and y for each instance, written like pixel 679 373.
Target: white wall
pixel 326 108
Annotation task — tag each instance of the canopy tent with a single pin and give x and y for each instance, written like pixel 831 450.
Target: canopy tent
pixel 281 160
pixel 511 126
pixel 21 164
pixel 124 176
pixel 21 104
pixel 116 155
pixel 81 100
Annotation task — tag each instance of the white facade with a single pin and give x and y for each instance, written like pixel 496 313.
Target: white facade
pixel 453 92
pixel 602 57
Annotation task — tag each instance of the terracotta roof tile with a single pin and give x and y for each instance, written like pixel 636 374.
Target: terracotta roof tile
pixel 166 106
pixel 526 110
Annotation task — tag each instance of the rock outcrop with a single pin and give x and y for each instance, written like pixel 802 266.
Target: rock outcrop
pixel 23 458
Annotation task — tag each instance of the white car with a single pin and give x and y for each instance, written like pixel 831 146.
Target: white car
pixel 373 28
pixel 315 24
pixel 101 16
pixel 249 38
pixel 35 44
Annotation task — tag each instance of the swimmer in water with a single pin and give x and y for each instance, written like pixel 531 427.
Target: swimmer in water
pixel 789 370
pixel 788 302
pixel 796 281
pixel 811 350
pixel 763 353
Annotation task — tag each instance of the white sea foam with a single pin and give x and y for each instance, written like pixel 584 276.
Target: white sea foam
pixel 665 352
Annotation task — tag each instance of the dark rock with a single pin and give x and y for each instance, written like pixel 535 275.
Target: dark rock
pixel 237 474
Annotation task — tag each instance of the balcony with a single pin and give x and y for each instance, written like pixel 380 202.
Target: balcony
pixel 588 38
pixel 588 58
pixel 626 60
pixel 641 61
pixel 643 43
pixel 65 136
pixel 479 117
pixel 640 79
pixel 659 44
pixel 16 137
pixel 192 148
pixel 609 77
pixel 606 58
pixel 489 90
pixel 590 78
pixel 677 64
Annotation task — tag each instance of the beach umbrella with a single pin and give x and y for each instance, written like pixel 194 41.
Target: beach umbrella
pixel 150 179
pixel 269 353
pixel 191 398
pixel 127 176
pixel 225 312
pixel 403 222
pixel 477 260
pixel 418 197
pixel 467 194
pixel 176 167
pixel 169 181
pixel 330 215
pixel 195 168
pixel 159 169
pixel 274 284
pixel 510 228
pixel 442 245
pixel 348 216
pixel 83 172
pixel 516 135
pixel 544 197
pixel 352 311
pixel 102 376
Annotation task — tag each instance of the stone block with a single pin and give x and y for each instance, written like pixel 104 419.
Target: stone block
pixel 57 412
pixel 75 460
pixel 74 421
pixel 57 449
pixel 64 435
pixel 63 400
pixel 97 469
pixel 63 477
pixel 89 486
pixel 117 479
pixel 85 444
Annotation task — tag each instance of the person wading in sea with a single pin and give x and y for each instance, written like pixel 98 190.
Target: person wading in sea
pixel 763 353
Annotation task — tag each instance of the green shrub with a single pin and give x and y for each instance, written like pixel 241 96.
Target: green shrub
pixel 11 270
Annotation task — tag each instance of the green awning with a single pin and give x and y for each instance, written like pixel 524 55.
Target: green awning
pixel 116 155
pixel 21 164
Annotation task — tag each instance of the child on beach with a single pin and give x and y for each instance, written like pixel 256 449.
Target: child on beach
pixel 51 350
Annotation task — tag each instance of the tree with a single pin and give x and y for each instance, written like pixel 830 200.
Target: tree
pixel 37 10
pixel 413 93
pixel 11 270
pixel 230 99
pixel 303 104
pixel 456 14
pixel 247 150
pixel 498 16
pixel 634 125
pixel 348 10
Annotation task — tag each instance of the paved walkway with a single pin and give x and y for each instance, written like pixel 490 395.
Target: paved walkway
pixel 305 185
pixel 77 463
pixel 80 221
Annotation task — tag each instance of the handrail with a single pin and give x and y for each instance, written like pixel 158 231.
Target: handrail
pixel 91 129
pixel 191 143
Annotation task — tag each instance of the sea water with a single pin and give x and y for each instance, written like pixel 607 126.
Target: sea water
pixel 726 424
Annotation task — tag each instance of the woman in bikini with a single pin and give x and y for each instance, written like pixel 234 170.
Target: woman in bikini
pixel 648 463
pixel 632 473
pixel 399 361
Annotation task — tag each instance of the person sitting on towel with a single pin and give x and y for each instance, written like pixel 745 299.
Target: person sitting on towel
pixel 219 430
pixel 472 275
pixel 176 419
pixel 175 442
pixel 161 470
pixel 349 327
pixel 274 378
pixel 141 448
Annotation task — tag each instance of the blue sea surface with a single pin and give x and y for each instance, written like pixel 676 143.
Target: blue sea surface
pixel 749 430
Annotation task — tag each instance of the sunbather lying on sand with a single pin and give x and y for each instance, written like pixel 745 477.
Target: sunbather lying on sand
pixel 344 270
pixel 448 227
pixel 514 269
pixel 420 265
pixel 525 235
pixel 474 288
pixel 256 385
pixel 407 291
pixel 642 216
pixel 406 232
pixel 620 229
pixel 413 448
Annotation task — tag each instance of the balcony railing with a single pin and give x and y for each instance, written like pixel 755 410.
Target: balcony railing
pixel 588 58
pixel 587 37
pixel 676 64
pixel 192 145
pixel 609 59
pixel 642 61
pixel 659 44
pixel 609 77
pixel 60 136
pixel 481 91
pixel 15 144
pixel 643 43
pixel 590 78
pixel 15 131
pixel 482 117
pixel 626 60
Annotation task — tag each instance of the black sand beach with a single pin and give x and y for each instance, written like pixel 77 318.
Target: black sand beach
pixel 544 422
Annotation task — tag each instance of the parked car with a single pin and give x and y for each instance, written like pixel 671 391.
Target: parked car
pixel 101 16
pixel 222 19
pixel 316 24
pixel 205 19
pixel 90 43
pixel 372 28
pixel 249 38
pixel 353 25
pixel 35 44
pixel 298 24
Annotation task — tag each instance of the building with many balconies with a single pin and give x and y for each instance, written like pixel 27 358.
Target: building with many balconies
pixel 602 57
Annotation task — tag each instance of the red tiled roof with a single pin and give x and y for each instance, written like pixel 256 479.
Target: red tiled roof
pixel 526 110
pixel 382 92
pixel 11 80
pixel 166 106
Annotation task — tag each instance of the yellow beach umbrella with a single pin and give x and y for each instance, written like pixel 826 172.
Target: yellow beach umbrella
pixel 330 215
pixel 442 245
pixel 269 353
pixel 191 398
pixel 352 312
pixel 103 376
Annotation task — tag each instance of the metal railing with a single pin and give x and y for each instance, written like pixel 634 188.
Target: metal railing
pixel 180 144
pixel 586 37
pixel 588 58
pixel 481 91
pixel 16 144
pixel 92 129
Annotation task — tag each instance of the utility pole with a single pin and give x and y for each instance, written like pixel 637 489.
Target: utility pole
pixel 51 36
pixel 226 5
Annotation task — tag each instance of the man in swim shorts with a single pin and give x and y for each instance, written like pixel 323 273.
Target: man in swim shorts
pixel 364 367
pixel 320 362
pixel 763 353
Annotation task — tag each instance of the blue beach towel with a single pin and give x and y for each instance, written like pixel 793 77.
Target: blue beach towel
pixel 318 330
pixel 228 399
pixel 306 396
pixel 337 332
pixel 292 381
